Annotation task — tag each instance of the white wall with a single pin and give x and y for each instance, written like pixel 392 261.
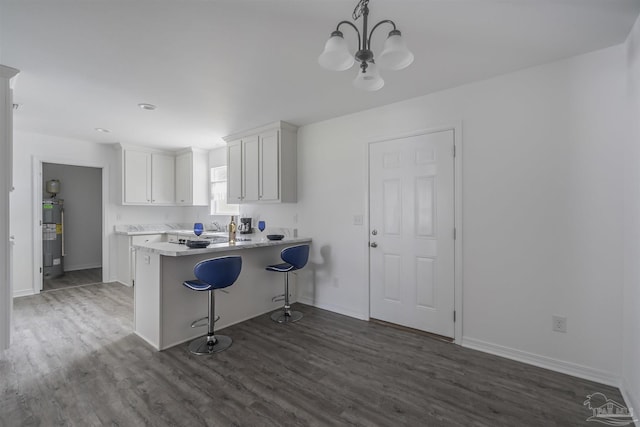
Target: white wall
pixel 631 324
pixel 81 190
pixel 28 146
pixel 542 208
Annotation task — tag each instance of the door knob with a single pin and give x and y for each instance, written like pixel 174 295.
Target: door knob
pixel 374 232
pixel 373 244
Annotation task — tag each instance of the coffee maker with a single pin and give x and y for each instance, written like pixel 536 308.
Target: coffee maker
pixel 245 226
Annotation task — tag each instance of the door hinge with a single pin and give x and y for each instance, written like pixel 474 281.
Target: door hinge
pixel 454 316
pixel 455 233
pixel 40 269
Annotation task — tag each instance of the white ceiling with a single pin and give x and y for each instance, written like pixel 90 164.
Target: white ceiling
pixel 215 67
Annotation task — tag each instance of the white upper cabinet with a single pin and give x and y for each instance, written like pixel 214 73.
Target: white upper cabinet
pixel 136 188
pixel 270 166
pixel 262 164
pixel 251 168
pixel 148 177
pixel 192 178
pixel 234 172
pixel 163 179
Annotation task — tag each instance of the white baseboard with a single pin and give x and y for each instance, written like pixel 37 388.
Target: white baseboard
pixel 333 308
pixel 82 267
pixel 552 364
pixel 23 293
pixel 128 285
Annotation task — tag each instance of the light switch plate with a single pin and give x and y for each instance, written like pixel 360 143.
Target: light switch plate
pixel 358 219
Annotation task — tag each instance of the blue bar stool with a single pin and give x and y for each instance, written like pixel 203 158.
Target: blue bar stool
pixel 294 257
pixel 216 273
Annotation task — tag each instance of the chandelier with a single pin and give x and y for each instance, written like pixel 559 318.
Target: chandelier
pixel 394 56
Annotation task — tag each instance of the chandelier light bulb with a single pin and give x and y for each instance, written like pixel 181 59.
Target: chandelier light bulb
pixel 336 56
pixel 369 80
pixel 395 55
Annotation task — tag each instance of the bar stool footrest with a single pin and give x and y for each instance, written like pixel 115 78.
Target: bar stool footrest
pixel 203 322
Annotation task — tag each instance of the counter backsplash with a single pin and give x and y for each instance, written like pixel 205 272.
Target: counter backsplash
pixel 129 228
pixel 163 228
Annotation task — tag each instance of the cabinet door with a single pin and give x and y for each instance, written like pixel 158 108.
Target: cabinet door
pixel 184 178
pixel 139 240
pixel 200 179
pixel 234 172
pixel 137 177
pixel 163 184
pixel 251 168
pixel 269 166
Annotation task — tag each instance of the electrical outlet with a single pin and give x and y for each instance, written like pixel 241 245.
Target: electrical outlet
pixel 559 323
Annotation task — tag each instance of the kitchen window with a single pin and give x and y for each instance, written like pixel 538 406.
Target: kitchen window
pixel 219 205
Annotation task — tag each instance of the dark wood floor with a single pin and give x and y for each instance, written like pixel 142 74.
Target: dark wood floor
pixel 75 362
pixel 70 279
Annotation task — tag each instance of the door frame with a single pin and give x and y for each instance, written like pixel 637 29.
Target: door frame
pixel 37 162
pixel 457 209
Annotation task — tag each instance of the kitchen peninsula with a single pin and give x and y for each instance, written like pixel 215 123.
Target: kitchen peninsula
pixel 164 308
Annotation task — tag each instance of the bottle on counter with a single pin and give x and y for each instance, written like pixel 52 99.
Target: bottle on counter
pixel 232 230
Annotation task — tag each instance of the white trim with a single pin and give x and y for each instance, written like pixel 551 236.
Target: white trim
pixel 23 293
pixel 458 282
pixel 458 286
pixel 82 267
pixel 37 161
pixel 128 285
pixel 333 308
pixel 6 183
pixel 557 365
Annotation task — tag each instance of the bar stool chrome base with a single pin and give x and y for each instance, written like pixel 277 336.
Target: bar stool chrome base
pixel 282 316
pixel 202 345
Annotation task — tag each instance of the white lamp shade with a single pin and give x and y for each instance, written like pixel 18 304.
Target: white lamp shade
pixel 369 80
pixel 336 56
pixel 395 55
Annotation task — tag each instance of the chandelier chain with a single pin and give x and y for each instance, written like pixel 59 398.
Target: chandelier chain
pixel 359 10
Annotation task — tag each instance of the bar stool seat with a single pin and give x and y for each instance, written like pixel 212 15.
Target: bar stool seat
pixel 295 258
pixel 212 274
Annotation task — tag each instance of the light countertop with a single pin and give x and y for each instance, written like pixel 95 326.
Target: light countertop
pixel 174 249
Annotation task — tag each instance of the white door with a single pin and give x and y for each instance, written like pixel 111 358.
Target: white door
pixel 184 179
pixel 411 254
pixel 251 168
pixel 269 166
pixel 137 177
pixel 234 172
pixel 163 179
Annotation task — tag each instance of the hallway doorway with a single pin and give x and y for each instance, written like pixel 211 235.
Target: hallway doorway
pixel 72 240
